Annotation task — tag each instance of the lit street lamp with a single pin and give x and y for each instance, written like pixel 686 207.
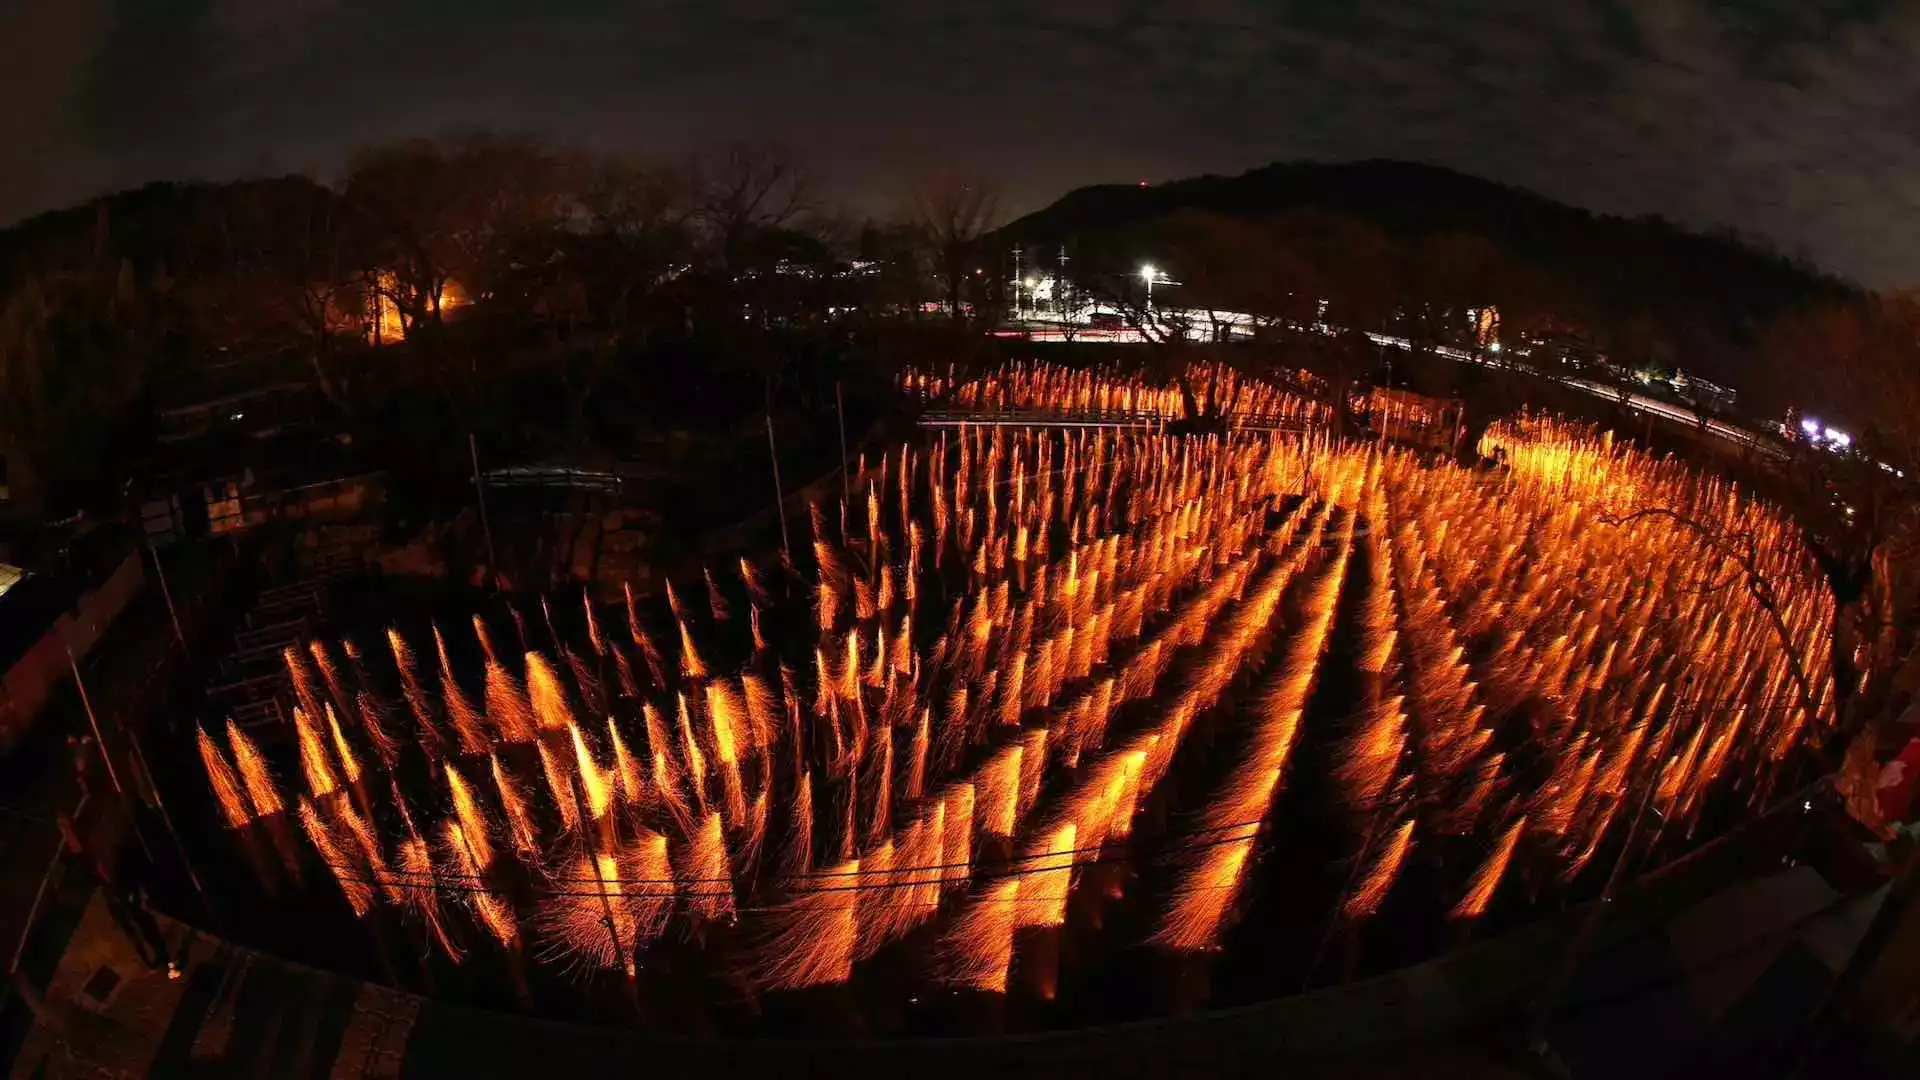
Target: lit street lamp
pixel 1150 274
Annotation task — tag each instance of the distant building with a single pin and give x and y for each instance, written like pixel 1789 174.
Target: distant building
pixel 1703 394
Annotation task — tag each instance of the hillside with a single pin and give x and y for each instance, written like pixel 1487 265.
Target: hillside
pixel 1693 285
pixel 178 229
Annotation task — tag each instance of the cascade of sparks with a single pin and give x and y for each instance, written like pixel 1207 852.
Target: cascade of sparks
pixel 226 786
pixel 253 770
pixel 352 884
pixel 1486 880
pixel 1001 653
pixel 1372 890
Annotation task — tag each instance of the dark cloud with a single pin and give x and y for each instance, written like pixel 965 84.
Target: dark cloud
pixel 1788 119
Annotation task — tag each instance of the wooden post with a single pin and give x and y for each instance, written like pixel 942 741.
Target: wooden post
pixel 480 493
pixel 160 573
pixel 840 408
pixel 779 496
pixel 99 740
pixel 166 820
pixel 1590 924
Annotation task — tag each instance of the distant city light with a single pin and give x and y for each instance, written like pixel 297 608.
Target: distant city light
pixel 1810 426
pixel 1495 347
pixel 1840 438
pixel 1147 272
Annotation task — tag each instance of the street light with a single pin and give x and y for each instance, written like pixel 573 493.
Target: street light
pixel 1150 274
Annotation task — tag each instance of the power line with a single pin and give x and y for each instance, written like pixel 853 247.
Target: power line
pixel 1102 858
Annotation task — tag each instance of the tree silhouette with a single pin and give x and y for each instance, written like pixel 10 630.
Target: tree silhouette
pixel 952 213
pixel 74 352
pixel 1855 366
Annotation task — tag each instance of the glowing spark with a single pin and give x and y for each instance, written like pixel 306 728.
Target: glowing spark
pixel 347 760
pixel 492 911
pixel 313 756
pixel 917 756
pixel 690 663
pixel 957 850
pixel 547 696
pixel 254 772
pixel 226 786
pixel 329 671
pixel 1487 879
pixel 981 941
pixel 588 919
pixel 1045 877
pixel 708 885
pixel 593 781
pixel 715 602
pixel 302 680
pixel 690 750
pixel 559 786
pixel 763 713
pixel 519 821
pixel 507 707
pixel 359 896
pixel 726 713
pixel 755 590
pixel 376 729
pixel 471 819
pixel 816 933
pixel 460 711
pixel 797 859
pixel 633 790
pixel 593 625
pixel 422 892
pixel 1372 890
pixel 486 639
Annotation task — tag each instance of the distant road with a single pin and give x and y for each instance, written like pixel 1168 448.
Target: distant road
pixel 1666 410
pixel 1641 403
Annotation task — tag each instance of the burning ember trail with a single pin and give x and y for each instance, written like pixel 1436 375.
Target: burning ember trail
pixel 940 731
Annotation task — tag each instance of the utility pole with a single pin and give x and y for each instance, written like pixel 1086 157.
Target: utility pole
pixel 1019 301
pixel 1060 285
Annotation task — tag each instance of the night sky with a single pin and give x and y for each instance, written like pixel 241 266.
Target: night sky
pixel 1794 120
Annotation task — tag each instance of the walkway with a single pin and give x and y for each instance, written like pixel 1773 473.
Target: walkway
pixel 236 1012
pixel 233 1013
pixel 1714 988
